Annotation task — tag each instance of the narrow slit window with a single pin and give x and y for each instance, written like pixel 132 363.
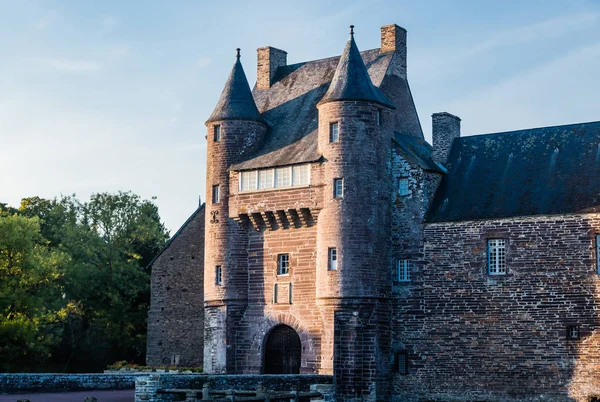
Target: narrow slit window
pixel 403 186
pixel 332 258
pixel 275 293
pixel 216 194
pixel 217 133
pixel 378 117
pixel 338 188
pixel 401 362
pixel 334 132
pixel 283 264
pixel 497 256
pixel 403 271
pixel 290 292
pixel 218 275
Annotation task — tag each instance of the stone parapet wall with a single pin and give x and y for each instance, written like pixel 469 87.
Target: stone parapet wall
pixel 55 382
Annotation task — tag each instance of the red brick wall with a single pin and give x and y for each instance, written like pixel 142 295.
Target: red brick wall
pixel 504 338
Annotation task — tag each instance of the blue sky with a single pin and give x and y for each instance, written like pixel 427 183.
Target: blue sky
pixel 113 95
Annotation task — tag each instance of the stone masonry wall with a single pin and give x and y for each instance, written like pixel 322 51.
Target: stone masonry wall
pixel 503 338
pixel 54 382
pixel 176 316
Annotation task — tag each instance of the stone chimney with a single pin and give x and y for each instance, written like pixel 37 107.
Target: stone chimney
pixel 445 127
pixel 269 59
pixel 393 39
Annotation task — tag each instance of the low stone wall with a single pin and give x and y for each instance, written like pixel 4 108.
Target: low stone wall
pixel 53 382
pixel 147 387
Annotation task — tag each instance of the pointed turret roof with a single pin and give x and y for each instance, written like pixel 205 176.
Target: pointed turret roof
pixel 236 101
pixel 351 80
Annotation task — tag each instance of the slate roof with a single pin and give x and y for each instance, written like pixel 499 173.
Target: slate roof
pixel 417 151
pixel 236 101
pixel 289 108
pixel 539 171
pixel 351 80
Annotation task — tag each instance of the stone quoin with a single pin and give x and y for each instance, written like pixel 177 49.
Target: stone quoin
pixel 335 240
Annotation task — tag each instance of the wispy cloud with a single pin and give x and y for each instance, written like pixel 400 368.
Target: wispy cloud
pixel 74 66
pixel 46 20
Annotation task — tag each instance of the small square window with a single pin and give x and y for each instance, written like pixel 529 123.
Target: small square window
pixel 497 256
pixel 218 275
pixel 572 332
pixel 216 194
pixel 338 188
pixel 217 133
pixel 401 362
pixel 378 117
pixel 403 271
pixel 334 132
pixel 403 186
pixel 332 259
pixel 283 264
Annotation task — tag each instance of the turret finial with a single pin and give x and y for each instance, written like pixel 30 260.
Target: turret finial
pixel 237 56
pixel 351 30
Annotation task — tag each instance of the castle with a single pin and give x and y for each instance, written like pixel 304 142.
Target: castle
pixel 336 240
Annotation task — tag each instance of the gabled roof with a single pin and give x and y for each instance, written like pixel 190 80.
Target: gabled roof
pixel 181 229
pixel 417 152
pixel 539 171
pixel 351 80
pixel 236 101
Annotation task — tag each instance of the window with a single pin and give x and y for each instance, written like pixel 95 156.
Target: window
pixel 332 259
pixel 338 188
pixel 403 186
pixel 217 133
pixel 378 117
pixel 265 179
pixel 218 275
pixel 334 132
pixel 283 177
pixel 249 180
pixel 216 194
pixel 401 362
pixel 572 332
pixel 283 264
pixel 290 292
pixel 598 253
pixel 497 256
pixel 301 175
pixel 275 293
pixel 403 271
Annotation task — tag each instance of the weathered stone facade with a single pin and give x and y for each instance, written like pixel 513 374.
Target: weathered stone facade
pixel 176 316
pixel 406 310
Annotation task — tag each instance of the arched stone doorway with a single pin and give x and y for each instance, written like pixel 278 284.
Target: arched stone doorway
pixel 283 351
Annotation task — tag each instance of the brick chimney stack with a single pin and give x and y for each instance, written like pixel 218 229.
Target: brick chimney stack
pixel 393 39
pixel 269 60
pixel 445 127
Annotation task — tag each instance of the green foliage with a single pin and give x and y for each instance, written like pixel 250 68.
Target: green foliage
pixel 30 294
pixel 98 253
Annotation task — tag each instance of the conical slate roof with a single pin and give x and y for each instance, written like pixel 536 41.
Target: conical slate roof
pixel 236 101
pixel 351 80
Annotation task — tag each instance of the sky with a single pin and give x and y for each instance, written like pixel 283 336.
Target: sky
pixel 113 95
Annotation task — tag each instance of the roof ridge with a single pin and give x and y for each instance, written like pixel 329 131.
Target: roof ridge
pixel 530 129
pixel 326 58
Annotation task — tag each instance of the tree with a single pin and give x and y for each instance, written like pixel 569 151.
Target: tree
pixel 31 305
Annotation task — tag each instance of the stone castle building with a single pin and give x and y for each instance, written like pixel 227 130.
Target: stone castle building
pixel 336 240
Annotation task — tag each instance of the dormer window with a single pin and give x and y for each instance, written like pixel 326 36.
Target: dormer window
pixel 217 133
pixel 334 132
